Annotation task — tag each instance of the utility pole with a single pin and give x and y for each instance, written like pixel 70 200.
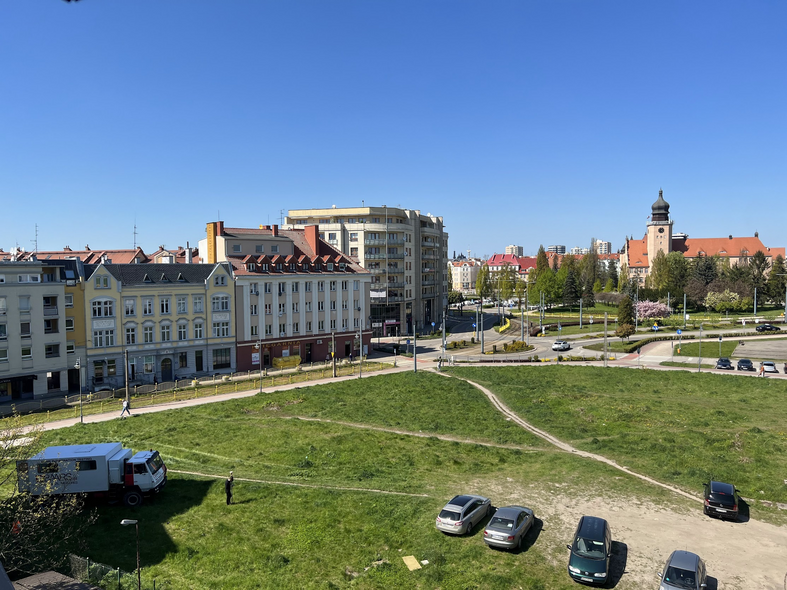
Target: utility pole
pixel 415 346
pixel 481 327
pixel 684 311
pixel 699 358
pixel 125 372
pixel 333 352
pixel 605 338
pixel 360 352
pixel 442 356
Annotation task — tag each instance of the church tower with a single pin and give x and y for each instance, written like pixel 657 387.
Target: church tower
pixel 659 229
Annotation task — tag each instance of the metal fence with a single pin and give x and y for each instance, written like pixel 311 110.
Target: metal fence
pixel 109 578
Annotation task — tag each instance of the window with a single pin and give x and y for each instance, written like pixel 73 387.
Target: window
pixel 308 326
pixel 321 325
pixel 50 327
pixel 24 329
pixel 332 236
pixel 236 248
pixel 255 331
pixel 282 288
pixel 344 285
pixel 295 307
pixel 268 287
pixel 3 332
pixel 259 248
pixel 354 236
pixel 333 306
pixel 198 330
pixel 103 338
pixel 69 324
pixel 183 360
pixel 253 309
pixel 354 252
pixel 295 327
pixel 131 334
pixel 333 324
pixel 220 281
pixel 147 334
pixel 3 354
pixel 129 307
pixel 356 285
pixel 333 285
pixel 269 330
pixel 27 352
pixel 356 322
pixel 69 298
pixel 3 307
pixel 111 367
pixel 321 306
pixel 308 306
pixel 344 324
pixel 52 351
pixel 149 367
pixel 70 348
pixel 254 289
pixel 103 308
pixel 295 287
pixel 344 304
pixel 221 358
pixel 275 249
pixel 102 282
pixel 267 309
pixel 321 285
pixel 265 266
pixel 147 306
pixel 166 332
pixel 221 329
pixel 330 266
pixel 282 329
pixel 24 303
pixel 164 305
pixel 199 304
pixel 220 303
pixel 308 287
pixel 182 303
pixel 183 332
pixel 282 308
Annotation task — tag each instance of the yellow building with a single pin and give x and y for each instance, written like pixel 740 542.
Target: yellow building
pixel 175 321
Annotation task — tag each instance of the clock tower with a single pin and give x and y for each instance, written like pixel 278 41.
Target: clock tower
pixel 659 229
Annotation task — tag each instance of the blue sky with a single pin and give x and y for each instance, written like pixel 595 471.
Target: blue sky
pixel 519 122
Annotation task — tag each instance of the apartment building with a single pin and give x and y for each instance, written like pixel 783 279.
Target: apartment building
pixel 405 252
pixel 557 249
pixel 464 274
pixel 37 349
pixel 603 247
pixel 174 321
pixel 298 298
pixel 515 250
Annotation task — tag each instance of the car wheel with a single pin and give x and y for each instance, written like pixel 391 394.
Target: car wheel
pixel 469 529
pixel 132 499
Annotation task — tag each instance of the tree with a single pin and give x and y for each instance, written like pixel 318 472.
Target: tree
pixel 705 269
pixel 455 297
pixel 588 295
pixel 758 267
pixel 507 277
pixel 483 283
pixel 610 286
pixel 623 277
pixel 625 318
pixel 624 331
pixel 777 281
pixel 678 273
pixel 612 272
pixel 651 309
pixel 542 262
pixel 36 532
pixel 570 290
pixel 659 272
pixel 597 286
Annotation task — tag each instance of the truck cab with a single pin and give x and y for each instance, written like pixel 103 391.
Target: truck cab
pixel 146 472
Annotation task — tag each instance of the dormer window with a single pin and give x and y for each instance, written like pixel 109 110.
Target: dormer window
pixel 341 266
pixel 278 266
pixel 265 267
pixel 147 279
pixel 292 266
pixel 251 266
pixel 305 266
pixel 180 278
pixel 330 267
pixel 164 278
pixel 220 281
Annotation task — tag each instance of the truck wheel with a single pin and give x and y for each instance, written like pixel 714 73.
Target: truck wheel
pixel 132 499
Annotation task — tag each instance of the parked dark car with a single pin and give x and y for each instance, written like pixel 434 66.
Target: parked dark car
pixel 723 363
pixel 767 328
pixel 745 365
pixel 684 571
pixel 721 499
pixel 590 551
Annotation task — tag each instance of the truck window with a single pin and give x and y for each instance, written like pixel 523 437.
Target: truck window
pixel 86 465
pixel 48 467
pixel 140 468
pixel 155 463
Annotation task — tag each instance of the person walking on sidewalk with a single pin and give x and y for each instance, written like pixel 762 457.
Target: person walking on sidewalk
pixel 126 408
pixel 228 485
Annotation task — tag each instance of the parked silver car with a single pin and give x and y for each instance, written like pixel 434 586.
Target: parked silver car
pixel 508 527
pixel 462 513
pixel 684 571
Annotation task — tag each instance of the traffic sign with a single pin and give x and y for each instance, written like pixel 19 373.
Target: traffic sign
pixel 655 327
pixel 559 327
pixel 639 350
pixel 474 325
pixel 433 324
pixel 591 319
pixel 719 338
pixel 679 332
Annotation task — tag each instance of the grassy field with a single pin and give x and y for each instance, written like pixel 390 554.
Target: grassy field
pixel 679 427
pixel 279 536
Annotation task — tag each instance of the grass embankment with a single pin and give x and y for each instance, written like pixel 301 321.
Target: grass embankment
pixel 279 536
pixel 680 427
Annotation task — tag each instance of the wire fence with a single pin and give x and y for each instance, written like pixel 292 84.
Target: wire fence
pixel 70 406
pixel 109 578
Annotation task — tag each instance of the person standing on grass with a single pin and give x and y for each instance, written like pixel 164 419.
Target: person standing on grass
pixel 126 408
pixel 228 485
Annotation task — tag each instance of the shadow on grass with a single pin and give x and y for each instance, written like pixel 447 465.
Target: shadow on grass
pixel 617 565
pixel 115 545
pixel 532 536
pixel 481 524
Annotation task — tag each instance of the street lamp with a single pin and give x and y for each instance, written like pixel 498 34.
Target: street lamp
pixel 78 367
pixel 258 348
pixel 129 522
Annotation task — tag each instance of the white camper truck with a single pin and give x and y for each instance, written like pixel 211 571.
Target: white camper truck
pixel 105 469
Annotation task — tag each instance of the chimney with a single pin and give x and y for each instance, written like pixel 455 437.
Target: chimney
pixel 189 258
pixel 313 238
pixel 275 230
pixel 219 228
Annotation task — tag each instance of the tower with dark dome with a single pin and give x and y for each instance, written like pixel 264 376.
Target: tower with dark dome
pixel 659 228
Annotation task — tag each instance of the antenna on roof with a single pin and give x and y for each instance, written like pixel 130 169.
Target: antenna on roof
pixel 135 233
pixel 281 216
pixel 35 242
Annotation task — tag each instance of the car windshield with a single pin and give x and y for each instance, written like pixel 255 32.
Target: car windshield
pixel 589 548
pixel 155 463
pixel 501 524
pixel 681 578
pixel 449 515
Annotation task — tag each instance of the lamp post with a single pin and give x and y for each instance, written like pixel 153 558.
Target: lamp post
pixel 78 367
pixel 699 359
pixel 360 352
pixel 258 348
pixel 785 295
pixel 129 522
pixel 333 351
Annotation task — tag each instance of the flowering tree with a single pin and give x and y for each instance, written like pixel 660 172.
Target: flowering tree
pixel 651 309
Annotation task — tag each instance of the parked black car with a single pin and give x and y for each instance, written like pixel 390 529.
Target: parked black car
pixel 724 363
pixel 721 499
pixel 767 328
pixel 590 551
pixel 745 365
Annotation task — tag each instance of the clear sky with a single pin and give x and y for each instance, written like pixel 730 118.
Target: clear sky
pixel 519 122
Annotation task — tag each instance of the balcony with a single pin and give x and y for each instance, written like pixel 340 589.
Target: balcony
pixel 374 242
pixel 395 284
pixel 428 282
pixel 377 271
pixel 428 256
pixel 50 310
pixel 398 256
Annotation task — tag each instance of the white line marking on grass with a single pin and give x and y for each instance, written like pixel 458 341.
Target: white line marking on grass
pixel 301 485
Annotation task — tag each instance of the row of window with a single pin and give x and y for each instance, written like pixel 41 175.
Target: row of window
pixel 103 281
pixel 296 307
pixel 296 327
pixel 25 278
pixel 26 352
pixel 254 288
pixel 106 337
pixel 106 307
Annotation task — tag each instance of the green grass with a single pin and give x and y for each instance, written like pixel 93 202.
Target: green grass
pixel 287 537
pixel 679 427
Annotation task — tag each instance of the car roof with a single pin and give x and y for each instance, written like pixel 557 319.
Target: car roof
pixel 511 511
pixel 744 361
pixel 724 360
pixel 591 527
pixel 767 363
pixel 685 560
pixel 718 487
pixel 463 500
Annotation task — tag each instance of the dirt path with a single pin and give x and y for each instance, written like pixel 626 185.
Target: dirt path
pixel 748 555
pixel 300 485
